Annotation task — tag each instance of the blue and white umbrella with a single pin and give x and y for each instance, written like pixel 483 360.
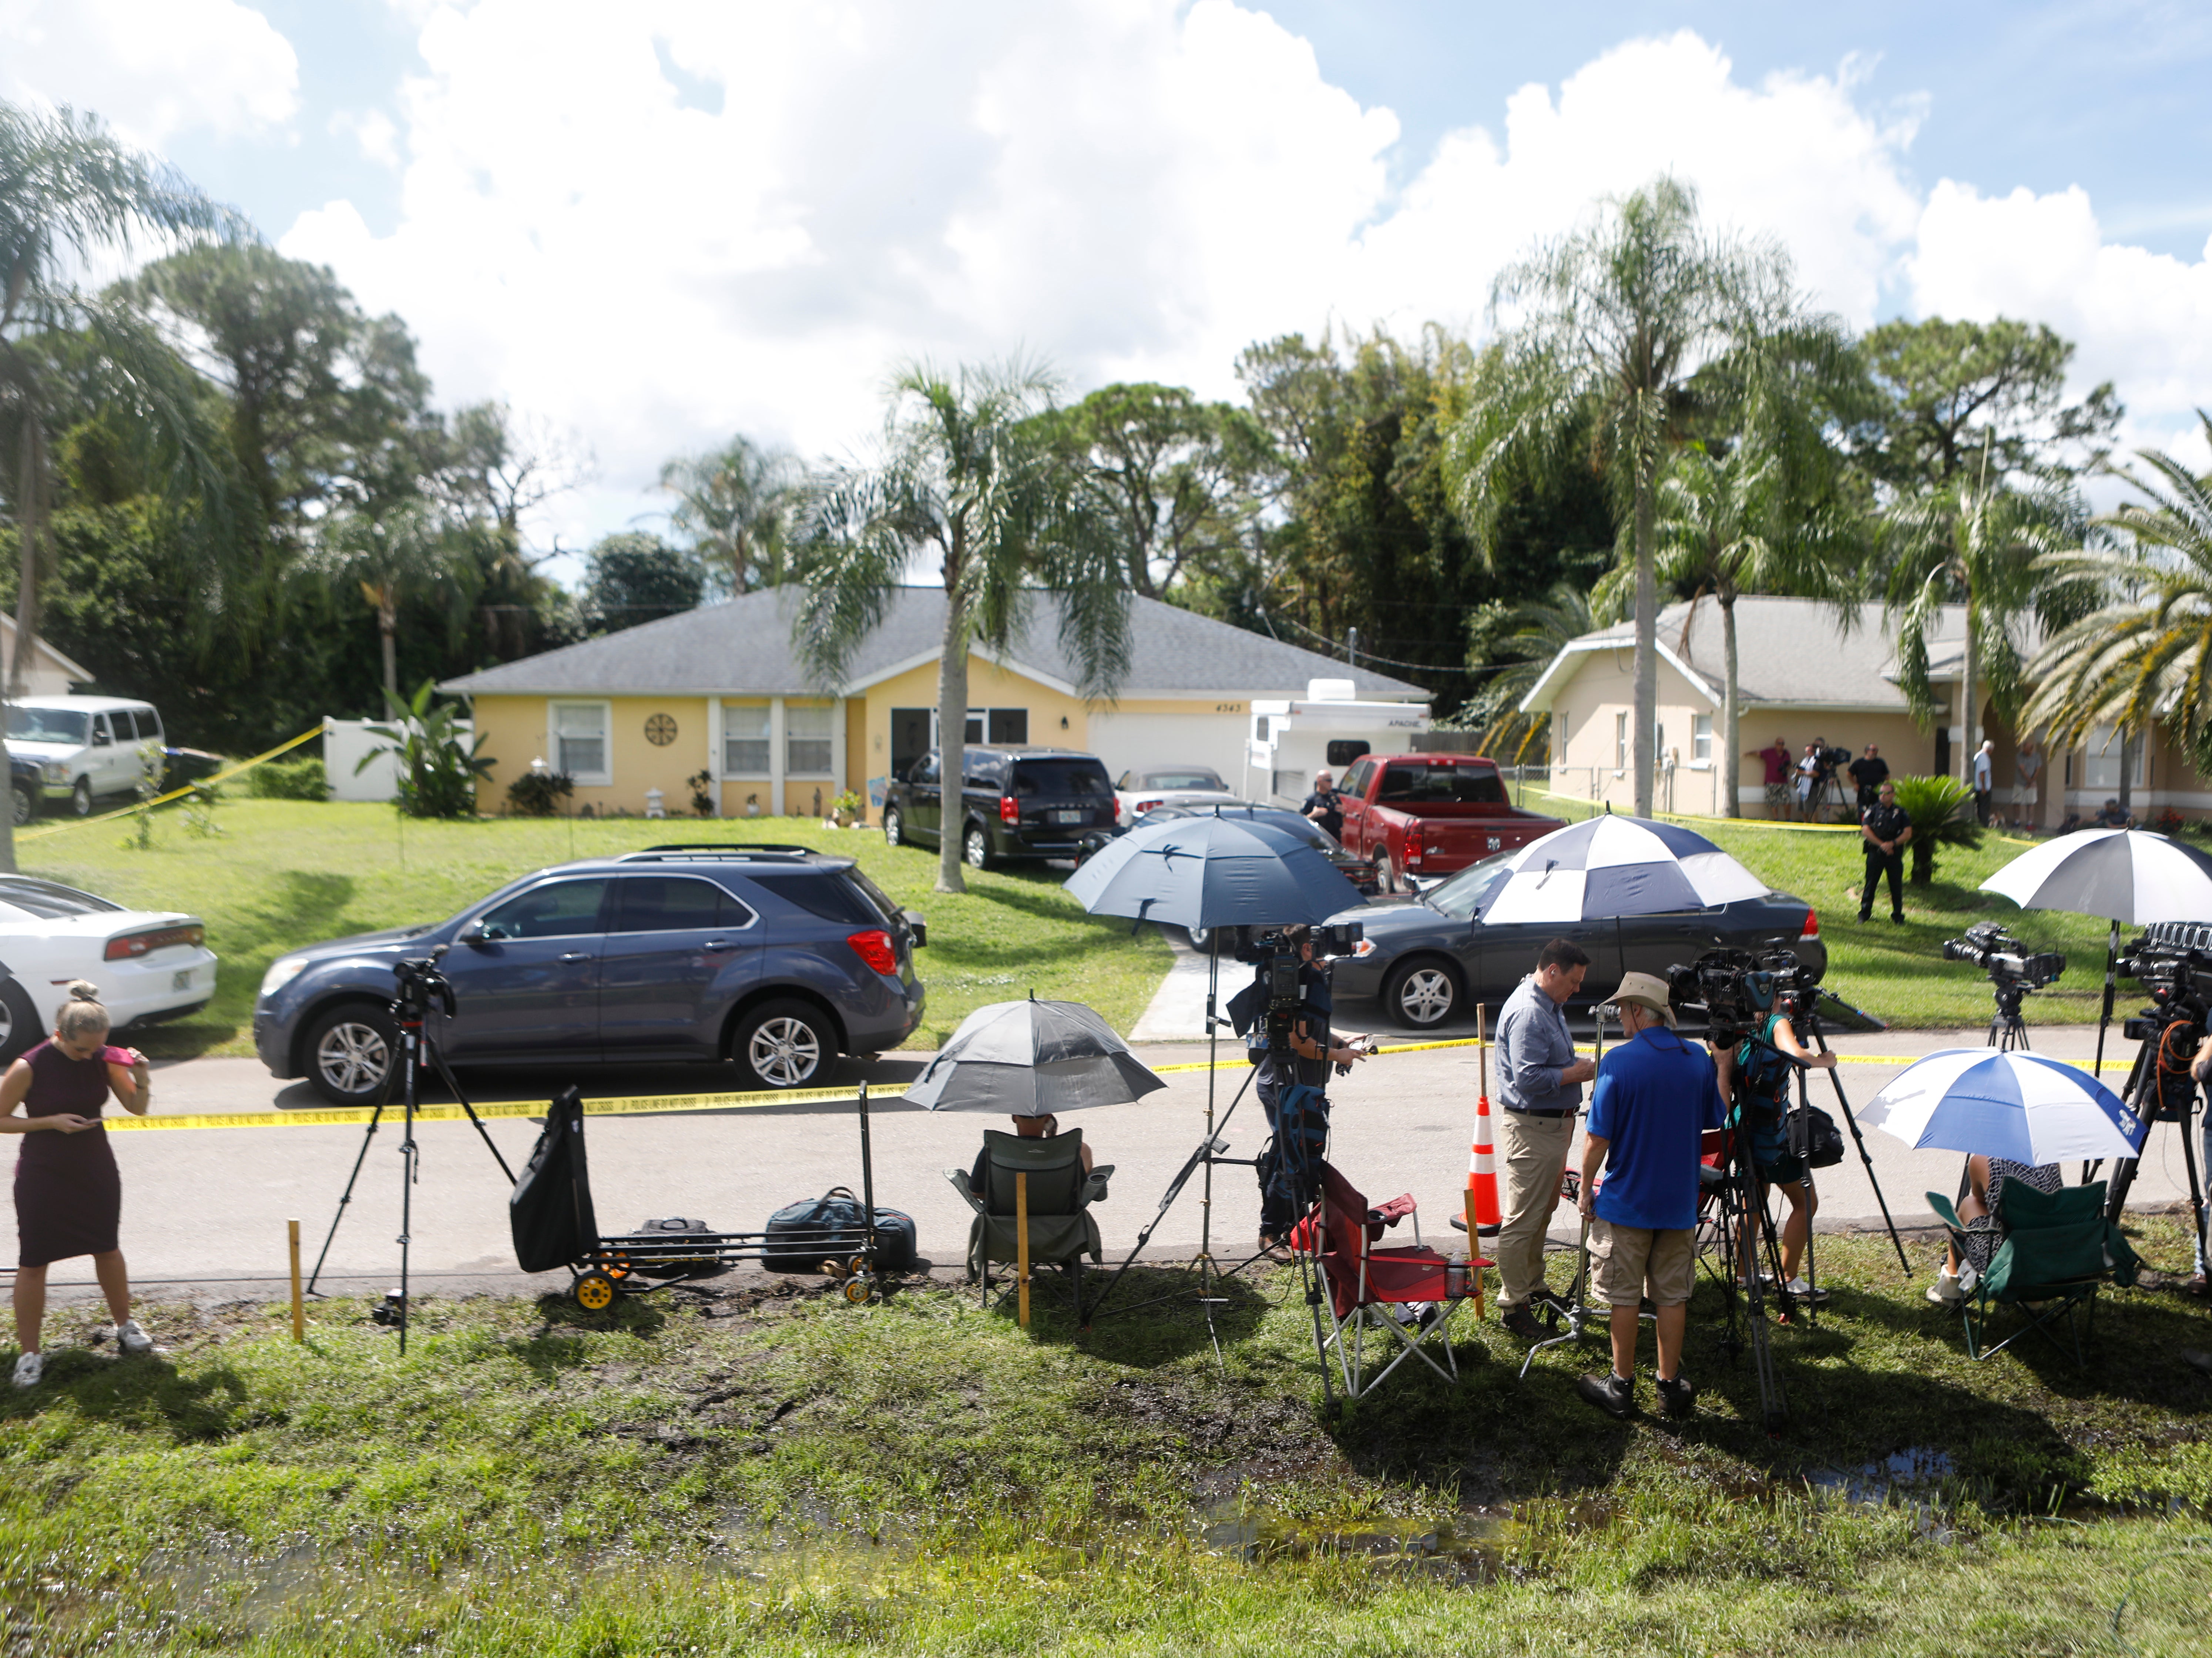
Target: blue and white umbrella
pixel 1615 865
pixel 2015 1105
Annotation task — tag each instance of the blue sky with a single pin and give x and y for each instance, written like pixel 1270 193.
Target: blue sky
pixel 647 227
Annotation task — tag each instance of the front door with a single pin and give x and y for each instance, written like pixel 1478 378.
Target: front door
pixel 528 985
pixel 680 950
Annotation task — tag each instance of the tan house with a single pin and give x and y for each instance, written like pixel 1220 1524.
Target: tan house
pixel 720 690
pixel 1801 674
pixel 48 672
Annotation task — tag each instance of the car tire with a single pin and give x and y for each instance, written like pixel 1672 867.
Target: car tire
pixel 1422 993
pixel 349 1051
pixel 81 798
pixel 23 1029
pixel 894 827
pixel 784 1044
pixel 26 805
pixel 976 847
pixel 1199 937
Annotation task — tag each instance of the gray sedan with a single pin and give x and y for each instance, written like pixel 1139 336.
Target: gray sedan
pixel 1429 960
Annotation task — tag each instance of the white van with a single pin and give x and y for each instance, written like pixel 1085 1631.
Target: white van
pixel 85 746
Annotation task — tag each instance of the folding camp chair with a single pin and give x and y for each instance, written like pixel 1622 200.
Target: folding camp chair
pixel 1058 1201
pixel 1363 1287
pixel 2058 1250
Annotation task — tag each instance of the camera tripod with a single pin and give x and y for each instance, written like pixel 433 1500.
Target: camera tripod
pixel 2147 1092
pixel 420 986
pixel 2008 1030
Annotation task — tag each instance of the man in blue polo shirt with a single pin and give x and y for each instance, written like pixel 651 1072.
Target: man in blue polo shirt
pixel 1655 1096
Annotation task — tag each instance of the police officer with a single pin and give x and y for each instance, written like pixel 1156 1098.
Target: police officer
pixel 1886 832
pixel 1312 1051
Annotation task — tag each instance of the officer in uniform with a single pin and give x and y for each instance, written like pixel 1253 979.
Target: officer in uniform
pixel 1886 832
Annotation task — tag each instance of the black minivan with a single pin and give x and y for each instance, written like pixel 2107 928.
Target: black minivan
pixel 1017 802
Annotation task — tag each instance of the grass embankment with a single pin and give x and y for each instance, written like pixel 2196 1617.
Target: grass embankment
pixel 282 874
pixel 1899 972
pixel 767 1470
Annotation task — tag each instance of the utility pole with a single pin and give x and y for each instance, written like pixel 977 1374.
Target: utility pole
pixel 1351 646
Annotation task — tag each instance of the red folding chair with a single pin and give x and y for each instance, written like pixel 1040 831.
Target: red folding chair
pixel 1410 1292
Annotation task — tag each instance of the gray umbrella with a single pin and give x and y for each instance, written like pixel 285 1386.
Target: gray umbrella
pixel 1032 1060
pixel 1221 870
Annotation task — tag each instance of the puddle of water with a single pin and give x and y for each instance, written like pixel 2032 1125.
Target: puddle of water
pixel 1918 1479
pixel 1465 1548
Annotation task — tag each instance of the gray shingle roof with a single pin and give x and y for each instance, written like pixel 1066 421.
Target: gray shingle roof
pixel 743 647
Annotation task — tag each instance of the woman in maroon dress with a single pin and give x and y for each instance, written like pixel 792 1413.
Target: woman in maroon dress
pixel 69 1198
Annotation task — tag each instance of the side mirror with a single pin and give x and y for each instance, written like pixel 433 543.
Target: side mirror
pixel 916 925
pixel 472 934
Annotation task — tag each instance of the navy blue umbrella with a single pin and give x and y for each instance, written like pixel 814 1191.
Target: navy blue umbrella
pixel 1213 872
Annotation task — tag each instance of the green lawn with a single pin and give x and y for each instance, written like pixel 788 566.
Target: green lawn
pixel 767 1470
pixel 286 873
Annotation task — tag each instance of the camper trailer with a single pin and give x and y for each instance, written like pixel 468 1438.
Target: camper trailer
pixel 1330 728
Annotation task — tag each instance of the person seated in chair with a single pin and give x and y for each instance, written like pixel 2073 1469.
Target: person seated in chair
pixel 2114 815
pixel 1978 1207
pixel 1030 1128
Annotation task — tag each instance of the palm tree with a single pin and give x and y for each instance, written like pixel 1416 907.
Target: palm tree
pixel 404 553
pixel 961 480
pixel 2146 654
pixel 70 192
pixel 734 506
pixel 1540 630
pixel 1977 543
pixel 1621 314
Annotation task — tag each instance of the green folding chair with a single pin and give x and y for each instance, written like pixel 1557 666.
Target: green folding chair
pixel 2058 1251
pixel 1061 1230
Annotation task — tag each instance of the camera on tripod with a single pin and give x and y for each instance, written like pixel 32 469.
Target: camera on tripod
pixel 1989 946
pixel 421 986
pixel 1278 956
pixel 2172 962
pixel 1738 988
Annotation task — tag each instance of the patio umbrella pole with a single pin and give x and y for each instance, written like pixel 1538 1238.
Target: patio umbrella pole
pixel 2104 1023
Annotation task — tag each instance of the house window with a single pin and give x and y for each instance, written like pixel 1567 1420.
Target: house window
pixel 745 739
pixel 579 741
pixel 1701 736
pixel 806 728
pixel 1010 725
pixel 1620 742
pixel 2101 763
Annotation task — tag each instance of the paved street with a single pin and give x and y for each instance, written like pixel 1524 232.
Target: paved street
pixel 205 1206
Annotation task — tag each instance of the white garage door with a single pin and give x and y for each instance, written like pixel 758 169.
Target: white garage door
pixel 1129 742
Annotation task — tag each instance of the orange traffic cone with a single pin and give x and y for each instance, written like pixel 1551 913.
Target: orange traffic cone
pixel 1482 1213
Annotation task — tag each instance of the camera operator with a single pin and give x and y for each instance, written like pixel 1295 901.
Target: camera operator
pixel 1311 1050
pixel 1540 1082
pixel 1885 831
pixel 1755 1076
pixel 1868 773
pixel 1325 805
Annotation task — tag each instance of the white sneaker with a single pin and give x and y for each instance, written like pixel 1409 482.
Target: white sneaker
pixel 1804 1291
pixel 29 1369
pixel 132 1338
pixel 1946 1292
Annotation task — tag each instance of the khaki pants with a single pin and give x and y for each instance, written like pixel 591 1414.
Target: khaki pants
pixel 1535 1152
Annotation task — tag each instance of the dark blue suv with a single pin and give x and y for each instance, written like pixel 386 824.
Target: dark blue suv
pixel 778 958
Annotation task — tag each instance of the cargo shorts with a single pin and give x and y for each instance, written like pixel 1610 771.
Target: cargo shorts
pixel 1634 1261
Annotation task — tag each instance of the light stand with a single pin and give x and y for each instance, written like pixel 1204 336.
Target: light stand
pixel 420 984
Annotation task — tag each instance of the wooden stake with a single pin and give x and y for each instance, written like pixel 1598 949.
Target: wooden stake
pixel 1481 1052
pixel 299 1306
pixel 1022 1243
pixel 1482 1086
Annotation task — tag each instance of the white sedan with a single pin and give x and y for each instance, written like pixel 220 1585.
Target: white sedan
pixel 148 965
pixel 1139 791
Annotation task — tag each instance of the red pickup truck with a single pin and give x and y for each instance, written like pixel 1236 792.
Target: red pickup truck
pixel 1431 814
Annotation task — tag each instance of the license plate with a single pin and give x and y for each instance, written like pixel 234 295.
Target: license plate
pixel 1078 817
pixel 181 979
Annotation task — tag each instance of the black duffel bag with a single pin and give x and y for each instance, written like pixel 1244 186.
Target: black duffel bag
pixel 829 1228
pixel 1821 1140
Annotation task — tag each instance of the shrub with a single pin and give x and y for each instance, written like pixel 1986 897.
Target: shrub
pixel 539 793
pixel 1933 805
pixel 437 767
pixel 300 778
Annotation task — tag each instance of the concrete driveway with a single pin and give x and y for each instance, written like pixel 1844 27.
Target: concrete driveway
pixel 207 1206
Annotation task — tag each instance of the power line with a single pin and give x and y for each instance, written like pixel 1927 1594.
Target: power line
pixel 1334 649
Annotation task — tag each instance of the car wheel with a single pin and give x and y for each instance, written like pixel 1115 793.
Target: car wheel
pixel 787 1044
pixel 1200 937
pixel 894 827
pixel 81 798
pixel 19 1028
pixel 27 805
pixel 1421 994
pixel 976 847
pixel 350 1053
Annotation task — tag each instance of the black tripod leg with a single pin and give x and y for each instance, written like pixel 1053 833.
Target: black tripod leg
pixel 1866 1157
pixel 446 1075
pixel 346 1196
pixel 1206 1151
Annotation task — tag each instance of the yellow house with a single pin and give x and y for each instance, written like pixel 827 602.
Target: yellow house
pixel 718 695
pixel 1802 676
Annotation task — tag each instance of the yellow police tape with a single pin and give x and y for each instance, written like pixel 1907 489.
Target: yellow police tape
pixel 239 769
pixel 656 1104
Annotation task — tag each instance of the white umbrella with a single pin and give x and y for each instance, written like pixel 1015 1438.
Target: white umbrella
pixel 1616 864
pixel 2017 1105
pixel 1032 1060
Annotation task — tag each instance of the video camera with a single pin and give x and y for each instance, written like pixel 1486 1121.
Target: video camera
pixel 421 986
pixel 1827 762
pixel 1738 988
pixel 1991 948
pixel 2172 961
pixel 1278 957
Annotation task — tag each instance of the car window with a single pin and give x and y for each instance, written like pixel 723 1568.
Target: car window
pixel 925 770
pixel 823 892
pixel 1196 777
pixel 100 731
pixel 1355 780
pixel 69 726
pixel 1446 785
pixel 561 909
pixel 875 894
pixel 1060 778
pixel 676 903
pixel 150 724
pixel 1469 890
pixel 48 899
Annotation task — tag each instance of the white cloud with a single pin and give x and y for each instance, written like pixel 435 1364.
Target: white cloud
pixel 153 68
pixel 373 133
